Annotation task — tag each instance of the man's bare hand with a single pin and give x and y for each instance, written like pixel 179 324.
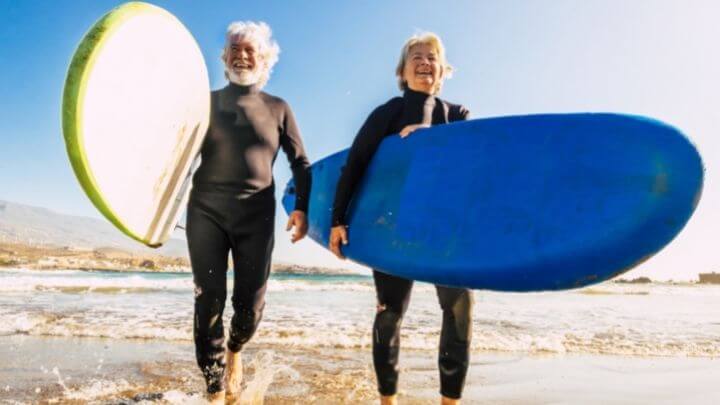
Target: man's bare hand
pixel 297 220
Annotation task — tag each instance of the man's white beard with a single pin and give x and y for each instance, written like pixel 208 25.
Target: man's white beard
pixel 244 78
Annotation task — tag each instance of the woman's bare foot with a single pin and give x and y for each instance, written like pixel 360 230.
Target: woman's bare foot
pixel 233 372
pixel 388 400
pixel 216 398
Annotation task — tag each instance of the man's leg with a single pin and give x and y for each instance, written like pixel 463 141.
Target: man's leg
pixel 209 246
pixel 253 242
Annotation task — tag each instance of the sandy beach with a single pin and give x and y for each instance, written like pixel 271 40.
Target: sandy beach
pixel 77 337
pixel 104 371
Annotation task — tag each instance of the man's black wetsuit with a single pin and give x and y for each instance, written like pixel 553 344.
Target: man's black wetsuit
pixel 232 209
pixel 393 293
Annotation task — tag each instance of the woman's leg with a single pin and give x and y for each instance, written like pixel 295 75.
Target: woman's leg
pixel 455 337
pixel 393 295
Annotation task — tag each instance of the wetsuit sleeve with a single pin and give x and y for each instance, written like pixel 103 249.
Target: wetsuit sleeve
pixel 292 145
pixel 458 113
pixel 363 148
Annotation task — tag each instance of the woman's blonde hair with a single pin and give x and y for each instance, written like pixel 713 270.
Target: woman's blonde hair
pixel 261 34
pixel 427 38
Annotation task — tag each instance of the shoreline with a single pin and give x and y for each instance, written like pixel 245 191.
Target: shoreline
pixel 278 270
pixel 75 337
pixel 48 258
pixel 282 269
pixel 111 259
pixel 80 370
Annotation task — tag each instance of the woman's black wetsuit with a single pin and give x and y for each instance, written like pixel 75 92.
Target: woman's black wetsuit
pixel 232 209
pixel 393 293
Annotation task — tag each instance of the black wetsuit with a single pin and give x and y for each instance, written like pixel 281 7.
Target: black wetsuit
pixel 232 209
pixel 393 293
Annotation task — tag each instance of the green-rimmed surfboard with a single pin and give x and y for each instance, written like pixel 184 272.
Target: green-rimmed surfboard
pixel 135 110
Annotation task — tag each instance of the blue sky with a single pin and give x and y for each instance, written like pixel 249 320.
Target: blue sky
pixel 651 57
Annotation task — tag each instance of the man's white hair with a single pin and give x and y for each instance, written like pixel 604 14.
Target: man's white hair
pixel 261 35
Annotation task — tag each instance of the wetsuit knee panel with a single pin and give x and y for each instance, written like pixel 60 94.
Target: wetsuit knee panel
pixel 246 318
pixel 243 326
pixel 387 327
pixel 461 313
pixel 207 295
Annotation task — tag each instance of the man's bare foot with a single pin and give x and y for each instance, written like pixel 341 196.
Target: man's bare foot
pixel 449 401
pixel 233 372
pixel 388 400
pixel 216 398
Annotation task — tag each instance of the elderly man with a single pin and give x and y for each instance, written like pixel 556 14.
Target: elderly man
pixel 232 204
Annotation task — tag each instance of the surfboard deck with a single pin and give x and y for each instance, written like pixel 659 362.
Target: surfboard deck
pixel 135 110
pixel 523 203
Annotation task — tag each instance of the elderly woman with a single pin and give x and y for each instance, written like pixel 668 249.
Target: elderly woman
pixel 421 71
pixel 232 204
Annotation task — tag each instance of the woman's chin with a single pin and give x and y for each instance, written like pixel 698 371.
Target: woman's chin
pixel 426 87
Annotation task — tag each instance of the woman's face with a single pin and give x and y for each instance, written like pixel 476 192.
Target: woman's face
pixel 242 62
pixel 422 71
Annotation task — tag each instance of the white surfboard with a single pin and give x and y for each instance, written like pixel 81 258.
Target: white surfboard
pixel 136 107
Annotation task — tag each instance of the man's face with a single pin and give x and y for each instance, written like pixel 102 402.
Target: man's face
pixel 242 62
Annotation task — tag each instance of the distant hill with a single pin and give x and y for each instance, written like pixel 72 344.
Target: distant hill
pixel 39 226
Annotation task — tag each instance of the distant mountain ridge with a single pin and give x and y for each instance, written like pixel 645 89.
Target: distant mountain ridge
pixel 31 225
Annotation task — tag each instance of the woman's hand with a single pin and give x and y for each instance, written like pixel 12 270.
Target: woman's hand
pixel 298 220
pixel 338 234
pixel 411 128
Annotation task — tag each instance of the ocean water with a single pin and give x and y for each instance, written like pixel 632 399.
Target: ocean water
pixel 95 337
pixel 336 311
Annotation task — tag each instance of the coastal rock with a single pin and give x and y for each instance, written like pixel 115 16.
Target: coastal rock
pixel 709 278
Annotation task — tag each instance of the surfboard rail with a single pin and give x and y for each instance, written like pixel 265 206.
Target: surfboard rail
pixel 172 186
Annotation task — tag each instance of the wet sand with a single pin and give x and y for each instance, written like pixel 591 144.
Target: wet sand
pixel 106 371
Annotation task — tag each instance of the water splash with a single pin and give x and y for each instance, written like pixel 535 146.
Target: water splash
pixel 266 369
pixel 97 389
pixel 56 372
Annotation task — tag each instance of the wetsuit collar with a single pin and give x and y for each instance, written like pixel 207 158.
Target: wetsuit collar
pixel 239 90
pixel 416 96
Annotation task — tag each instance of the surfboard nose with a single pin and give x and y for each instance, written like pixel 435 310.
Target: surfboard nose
pixel 288 199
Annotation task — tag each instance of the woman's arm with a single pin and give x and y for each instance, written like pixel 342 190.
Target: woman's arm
pixel 363 148
pixel 361 152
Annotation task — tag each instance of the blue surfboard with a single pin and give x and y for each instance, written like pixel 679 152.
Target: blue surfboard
pixel 522 203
